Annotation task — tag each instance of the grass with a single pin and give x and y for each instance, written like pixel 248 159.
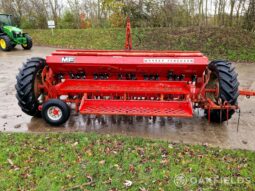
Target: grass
pixel 88 161
pixel 217 43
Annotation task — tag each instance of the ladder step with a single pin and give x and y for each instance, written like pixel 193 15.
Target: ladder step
pixel 137 108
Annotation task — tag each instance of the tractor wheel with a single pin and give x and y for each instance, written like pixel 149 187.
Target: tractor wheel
pixel 29 43
pixel 55 112
pixel 26 87
pixel 5 43
pixel 14 45
pixel 224 79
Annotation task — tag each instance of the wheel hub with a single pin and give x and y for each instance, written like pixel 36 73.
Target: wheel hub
pixel 54 113
pixel 3 43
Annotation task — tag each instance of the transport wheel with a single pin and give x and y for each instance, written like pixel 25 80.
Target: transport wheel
pixel 224 79
pixel 55 112
pixel 29 43
pixel 5 43
pixel 27 92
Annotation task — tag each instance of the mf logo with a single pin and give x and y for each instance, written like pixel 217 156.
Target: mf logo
pixel 68 59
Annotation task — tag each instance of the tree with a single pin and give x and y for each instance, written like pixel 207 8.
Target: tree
pixel 249 22
pixel 232 5
pixel 55 8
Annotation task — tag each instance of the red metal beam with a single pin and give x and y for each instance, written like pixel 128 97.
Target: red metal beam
pixel 247 93
pixel 128 54
pixel 123 86
pixel 118 51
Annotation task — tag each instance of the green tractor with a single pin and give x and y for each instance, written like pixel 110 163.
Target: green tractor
pixel 10 35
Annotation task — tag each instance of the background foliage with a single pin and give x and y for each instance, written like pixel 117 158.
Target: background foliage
pixel 212 41
pixel 144 13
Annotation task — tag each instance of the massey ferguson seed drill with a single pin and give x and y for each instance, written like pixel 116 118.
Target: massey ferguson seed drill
pixel 127 82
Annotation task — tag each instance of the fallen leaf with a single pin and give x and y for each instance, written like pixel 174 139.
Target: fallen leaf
pixel 113 189
pixel 102 162
pixel 128 183
pixel 109 181
pixel 143 189
pixel 244 142
pixel 10 162
pixel 76 143
pixel 17 126
pixel 117 166
pixel 131 168
pixel 90 178
pixel 164 161
pixel 89 153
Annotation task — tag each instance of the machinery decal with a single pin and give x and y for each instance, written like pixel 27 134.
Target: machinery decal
pixel 166 60
pixel 68 59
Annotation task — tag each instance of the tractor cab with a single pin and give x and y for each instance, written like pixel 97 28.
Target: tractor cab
pixel 6 20
pixel 10 35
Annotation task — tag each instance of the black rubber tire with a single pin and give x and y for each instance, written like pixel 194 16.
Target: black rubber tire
pixel 29 44
pixel 56 103
pixel 25 86
pixel 8 43
pixel 14 45
pixel 228 88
